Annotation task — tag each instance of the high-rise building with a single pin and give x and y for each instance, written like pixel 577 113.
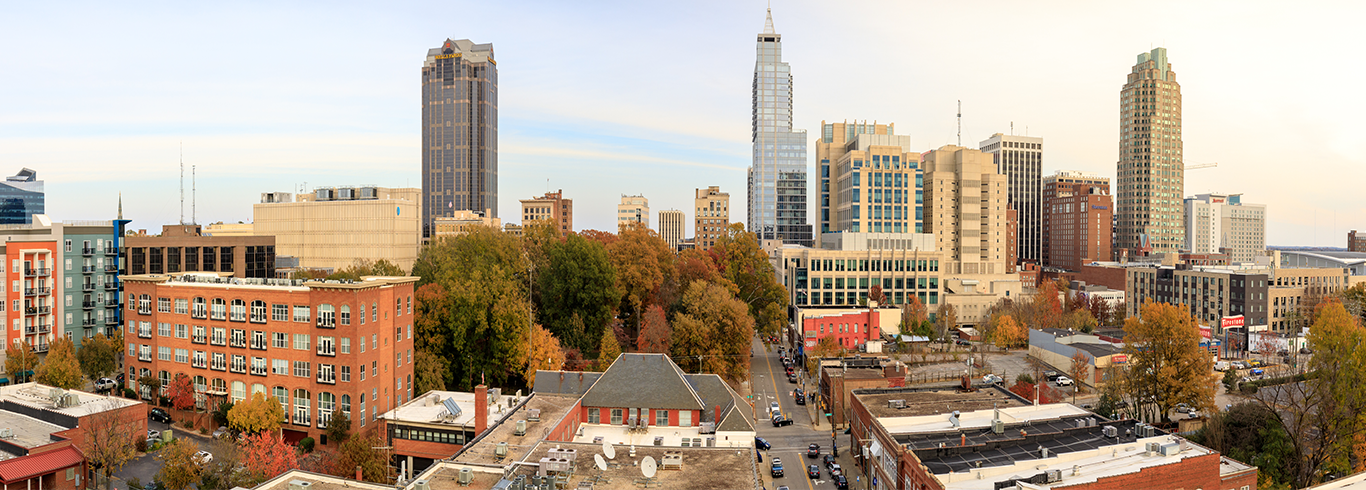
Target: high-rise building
pixel 1078 219
pixel 633 209
pixel 459 131
pixel 671 224
pixel 21 197
pixel 333 227
pixel 1356 243
pixel 1020 158
pixel 712 218
pixel 965 203
pixel 1150 172
pixel 551 208
pixel 1223 223
pixel 777 179
pixel 871 180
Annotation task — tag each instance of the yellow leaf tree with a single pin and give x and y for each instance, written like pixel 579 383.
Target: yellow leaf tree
pixel 545 353
pixel 60 368
pixel 257 414
pixel 1167 365
pixel 1008 333
pixel 178 468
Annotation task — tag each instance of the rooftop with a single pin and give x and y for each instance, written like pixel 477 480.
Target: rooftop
pixel 701 468
pixel 28 432
pixel 481 450
pixel 979 419
pixel 318 481
pixel 1077 467
pixel 430 408
pixel 930 401
pixel 1353 482
pixel 643 380
pixel 39 396
pixel 574 383
pixel 221 279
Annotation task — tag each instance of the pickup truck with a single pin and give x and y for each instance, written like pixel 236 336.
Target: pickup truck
pixel 777 468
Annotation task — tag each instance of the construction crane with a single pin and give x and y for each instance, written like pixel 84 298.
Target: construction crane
pixel 1202 165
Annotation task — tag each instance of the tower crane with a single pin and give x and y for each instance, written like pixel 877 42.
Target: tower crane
pixel 1202 165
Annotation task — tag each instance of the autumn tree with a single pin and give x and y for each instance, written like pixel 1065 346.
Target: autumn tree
pixel 20 361
pixel 224 472
pixel 109 440
pixel 1078 320
pixel 181 392
pixel 608 349
pixel 712 326
pixel 946 319
pixel 828 347
pixel 1080 370
pixel 1118 314
pixel 1167 365
pixel 643 263
pixel 339 426
pixel 179 470
pixel 364 267
pixel 267 455
pixel 876 295
pixel 1077 301
pixel 256 414
pixel 654 331
pixel 579 278
pixel 745 265
pixel 1007 333
pixel 1099 308
pixel 430 371
pixel 60 368
pixel 98 355
pixel 1046 305
pixel 913 312
pixel 545 354
pixel 362 451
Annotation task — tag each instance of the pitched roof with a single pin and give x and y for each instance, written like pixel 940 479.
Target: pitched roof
pixel 644 381
pixel 25 467
pixel 574 383
pixel 715 392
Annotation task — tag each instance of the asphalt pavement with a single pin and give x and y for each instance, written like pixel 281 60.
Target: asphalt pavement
pixel 769 381
pixel 146 465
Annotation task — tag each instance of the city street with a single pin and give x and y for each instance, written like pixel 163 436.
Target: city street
pixel 145 466
pixel 770 384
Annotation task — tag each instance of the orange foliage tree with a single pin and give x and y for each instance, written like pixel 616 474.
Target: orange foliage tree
pixel 267 455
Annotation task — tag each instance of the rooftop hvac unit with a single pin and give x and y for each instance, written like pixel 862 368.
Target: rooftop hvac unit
pixel 1151 447
pixel 73 400
pixel 1054 476
pixel 6 433
pixel 299 485
pixel 1110 431
pixel 896 403
pixel 533 414
pixel 631 423
pixel 521 428
pixel 501 450
pixel 659 440
pixel 998 427
pixel 346 193
pixel 1081 423
pixel 707 428
pixel 466 476
pixel 369 193
pixel 422 485
pixel 711 442
pixel 1171 449
pixel 697 442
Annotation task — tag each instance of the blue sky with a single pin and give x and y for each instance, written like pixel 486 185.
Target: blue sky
pixel 605 98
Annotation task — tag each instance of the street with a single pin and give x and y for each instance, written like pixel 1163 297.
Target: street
pixel 145 467
pixel 770 384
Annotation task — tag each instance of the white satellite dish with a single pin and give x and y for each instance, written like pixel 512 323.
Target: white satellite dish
pixel 648 467
pixel 599 462
pixel 608 450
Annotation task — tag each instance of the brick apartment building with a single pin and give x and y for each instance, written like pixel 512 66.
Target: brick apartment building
pixel 315 346
pixel 1077 219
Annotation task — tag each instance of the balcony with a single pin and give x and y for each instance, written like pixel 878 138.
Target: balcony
pixel 88 251
pixel 199 363
pixel 145 333
pixel 86 269
pixel 89 304
pixel 199 314
pixel 37 272
pixel 199 339
pixel 88 322
pixel 145 358
pixel 259 371
pixel 301 419
pixel 329 352
pixel 331 380
pixel 238 343
pixel 219 367
pixel 145 311
pixel 111 321
pixel 217 340
pixel 326 322
pixel 111 303
pixel 111 251
pixel 29 330
pixel 40 347
pixel 111 269
pixel 45 328
pixel 111 286
pixel 87 287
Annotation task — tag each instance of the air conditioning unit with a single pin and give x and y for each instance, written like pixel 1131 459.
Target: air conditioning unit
pixel 533 415
pixel 1151 447
pixel 998 427
pixel 521 428
pixel 501 450
pixel 421 485
pixel 6 433
pixel 1054 476
pixel 896 403
pixel 466 476
pixel 1171 449
pixel 1110 431
pixel 299 484
pixel 659 440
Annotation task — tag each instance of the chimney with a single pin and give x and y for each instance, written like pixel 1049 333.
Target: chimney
pixel 481 409
pixel 358 474
pixel 717 414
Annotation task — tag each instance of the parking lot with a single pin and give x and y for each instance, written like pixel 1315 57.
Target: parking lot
pixel 144 467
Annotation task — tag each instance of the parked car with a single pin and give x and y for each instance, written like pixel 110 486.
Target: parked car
pixel 202 458
pixel 792 378
pixel 1051 375
pixel 813 451
pixel 1305 350
pixel 828 460
pixel 1258 372
pixel 1063 381
pixel 220 432
pixel 779 420
pixel 105 384
pixel 799 397
pixel 773 408
pixel 1183 408
pixel 991 379
pixel 776 468
pixel 836 470
pixel 1256 363
pixel 1240 364
pixel 760 443
pixel 813 472
pixel 159 415
pixel 961 342
pixel 154 434
pixel 841 483
pixel 1221 366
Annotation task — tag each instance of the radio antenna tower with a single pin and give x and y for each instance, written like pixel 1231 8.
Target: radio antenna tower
pixel 182 183
pixel 193 195
pixel 960 122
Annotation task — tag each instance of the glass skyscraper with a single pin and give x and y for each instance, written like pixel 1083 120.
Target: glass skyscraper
pixel 459 131
pixel 21 197
pixel 777 178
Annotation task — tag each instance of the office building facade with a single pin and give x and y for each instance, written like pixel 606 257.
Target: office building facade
pixel 671 225
pixel 1078 219
pixel 183 248
pixel 21 197
pixel 1020 159
pixel 777 189
pixel 462 222
pixel 1355 242
pixel 459 131
pixel 1223 223
pixel 334 227
pixel 871 180
pixel 713 216
pixel 552 208
pixel 633 209
pixel 1151 172
pixel 964 207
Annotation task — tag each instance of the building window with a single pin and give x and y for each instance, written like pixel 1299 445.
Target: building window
pixel 163 353
pixel 345 345
pixel 344 316
pixel 593 416
pixel 239 391
pixel 239 364
pixel 200 359
pixel 326 346
pixel 163 305
pixel 220 336
pixel 327 374
pixel 163 330
pixel 301 341
pixel 346 405
pixel 280 340
pixel 661 418
pixel 239 311
pixel 182 332
pixel 220 362
pixel 616 416
pixel 198 309
pixel 258 366
pixel 326 316
pixel 346 374
pixel 685 418
pixel 279 366
pixel 182 355
pixel 182 306
pixel 239 338
pixel 258 311
pixel 301 314
pixel 258 340
pixel 218 309
pixel 301 399
pixel 301 369
pixel 325 406
pixel 279 313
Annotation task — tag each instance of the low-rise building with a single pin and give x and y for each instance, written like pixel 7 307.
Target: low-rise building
pixel 551 208
pixel 1056 347
pixel 841 376
pixel 46 433
pixel 184 248
pixel 460 222
pixel 438 424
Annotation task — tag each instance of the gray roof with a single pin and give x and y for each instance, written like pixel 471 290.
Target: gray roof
pixel 645 381
pixel 574 383
pixel 716 393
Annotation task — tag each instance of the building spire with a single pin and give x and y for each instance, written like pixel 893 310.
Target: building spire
pixel 768 23
pixel 120 205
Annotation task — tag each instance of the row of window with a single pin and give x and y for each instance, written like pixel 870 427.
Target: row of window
pixel 238 310
pixel 641 415
pixel 237 363
pixel 259 339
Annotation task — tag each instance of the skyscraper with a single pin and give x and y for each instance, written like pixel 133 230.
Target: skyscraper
pixel 964 206
pixel 1077 219
pixel 777 178
pixel 21 197
pixel 1020 158
pixel 1150 171
pixel 459 131
pixel 671 227
pixel 872 178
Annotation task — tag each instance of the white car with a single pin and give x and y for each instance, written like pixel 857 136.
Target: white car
pixel 202 458
pixel 1064 381
pixel 774 408
pixel 991 379
pixel 105 384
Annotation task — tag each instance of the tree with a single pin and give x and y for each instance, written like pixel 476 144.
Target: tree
pixel 151 386
pixel 109 440
pixel 267 455
pixel 1080 370
pixel 1099 308
pixel 360 451
pixel 256 414
pixel 1079 320
pixel 220 413
pixel 178 467
pixel 608 350
pixel 364 267
pixel 430 371
pixel 913 313
pixel 20 361
pixel 1167 365
pixel 643 262
pixel 745 265
pixel 1251 433
pixel 1007 333
pixel 876 295
pixel 1118 314
pixel 224 473
pixel 712 327
pixel 1047 307
pixel 654 331
pixel 1077 301
pixel 545 354
pixel 946 319
pixel 339 426
pixel 98 354
pixel 828 347
pixel 579 279
pixel 60 368
pixel 181 392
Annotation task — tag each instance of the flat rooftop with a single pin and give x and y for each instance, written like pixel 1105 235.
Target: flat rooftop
pixel 39 396
pixel 28 432
pixel 702 468
pixel 981 419
pixel 552 407
pixel 1350 482
pixel 431 409
pixel 318 481
pixel 445 475
pixel 1076 467
pixel 931 401
pixel 225 279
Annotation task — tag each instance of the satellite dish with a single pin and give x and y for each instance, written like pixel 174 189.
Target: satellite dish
pixel 608 450
pixel 648 467
pixel 599 462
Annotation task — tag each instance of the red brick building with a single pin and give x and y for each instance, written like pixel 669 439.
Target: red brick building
pixel 45 434
pixel 1077 219
pixel 850 329
pixel 316 346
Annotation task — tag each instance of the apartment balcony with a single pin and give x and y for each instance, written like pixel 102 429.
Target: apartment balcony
pixel 199 364
pixel 199 339
pixel 238 343
pixel 331 380
pixel 111 286
pixel 45 328
pixel 111 269
pixel 40 347
pixel 145 334
pixel 146 358
pixel 111 303
pixel 37 272
pixel 145 311
pixel 89 304
pixel 111 251
pixel 43 310
pixel 29 330
pixel 87 287
pixel 88 251
pixel 88 322
pixel 86 269
pixel 111 321
pixel 326 323
pixel 301 420
pixel 255 371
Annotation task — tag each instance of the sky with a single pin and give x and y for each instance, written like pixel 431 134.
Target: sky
pixel 603 98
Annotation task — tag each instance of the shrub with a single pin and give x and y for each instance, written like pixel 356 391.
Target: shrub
pixel 203 431
pixel 141 446
pixel 187 423
pixel 306 445
pixel 134 482
pixel 130 394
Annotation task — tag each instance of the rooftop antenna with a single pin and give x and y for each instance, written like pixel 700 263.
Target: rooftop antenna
pixel 1012 128
pixel 193 195
pixel 182 182
pixel 960 122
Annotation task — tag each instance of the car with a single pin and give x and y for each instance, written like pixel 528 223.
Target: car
pixel 1240 364
pixel 813 451
pixel 779 420
pixel 835 470
pixel 1256 363
pixel 1221 366
pixel 828 460
pixel 760 443
pixel 154 485
pixel 1305 350
pixel 1051 375
pixel 792 378
pixel 153 434
pixel 799 398
pixel 961 342
pixel 1063 381
pixel 784 487
pixel 159 415
pixel 774 408
pixel 841 483
pixel 1183 408
pixel 813 471
pixel 105 384
pixel 202 458
pixel 1257 371
pixel 991 379
pixel 776 468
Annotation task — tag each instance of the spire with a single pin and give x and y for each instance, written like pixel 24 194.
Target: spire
pixel 120 205
pixel 768 23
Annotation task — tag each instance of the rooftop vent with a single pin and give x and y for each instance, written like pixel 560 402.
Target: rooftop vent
pixel 299 484
pixel 898 404
pixel 521 428
pixel 421 485
pixel 501 450
pixel 466 476
pixel 953 419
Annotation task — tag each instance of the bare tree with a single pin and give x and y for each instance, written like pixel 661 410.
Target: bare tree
pixel 109 440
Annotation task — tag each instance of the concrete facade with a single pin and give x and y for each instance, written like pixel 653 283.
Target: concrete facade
pixel 713 216
pixel 633 209
pixel 1020 158
pixel 1151 172
pixel 1078 215
pixel 903 264
pixel 333 227
pixel 965 203
pixel 551 208
pixel 1222 223
pixel 461 221
pixel 671 226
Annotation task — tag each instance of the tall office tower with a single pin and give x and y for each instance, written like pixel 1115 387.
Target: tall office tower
pixel 459 131
pixel 1223 223
pixel 712 218
pixel 671 227
pixel 552 208
pixel 633 209
pixel 1020 158
pixel 965 209
pixel 777 179
pixel 1150 172
pixel 21 197
pixel 1078 216
pixel 870 179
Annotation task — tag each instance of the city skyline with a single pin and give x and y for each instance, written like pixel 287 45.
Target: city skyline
pixel 254 118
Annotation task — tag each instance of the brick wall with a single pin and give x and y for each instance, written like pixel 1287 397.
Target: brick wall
pixel 842 328
pixel 566 427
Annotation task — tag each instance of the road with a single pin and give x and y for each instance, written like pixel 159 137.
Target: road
pixel 145 467
pixel 770 384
